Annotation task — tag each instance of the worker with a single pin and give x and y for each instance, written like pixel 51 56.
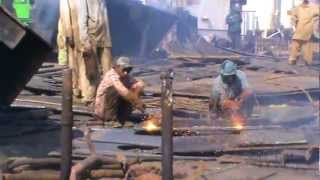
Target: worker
pixel 118 93
pixel 234 21
pixel 231 95
pixel 303 20
pixel 68 41
pixel 95 35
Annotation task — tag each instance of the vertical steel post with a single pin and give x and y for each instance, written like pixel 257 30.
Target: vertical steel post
pixel 167 123
pixel 66 126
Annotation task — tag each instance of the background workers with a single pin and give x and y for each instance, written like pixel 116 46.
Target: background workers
pixel 231 97
pixel 95 35
pixel 234 21
pixel 68 40
pixel 303 19
pixel 118 93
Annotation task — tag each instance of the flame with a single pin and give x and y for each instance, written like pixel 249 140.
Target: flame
pixel 238 121
pixel 152 123
pixel 150 126
pixel 238 126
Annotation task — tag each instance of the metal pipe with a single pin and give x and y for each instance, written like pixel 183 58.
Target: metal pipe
pixel 66 126
pixel 167 124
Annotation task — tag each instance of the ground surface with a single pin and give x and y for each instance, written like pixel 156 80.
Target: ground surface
pixel 285 111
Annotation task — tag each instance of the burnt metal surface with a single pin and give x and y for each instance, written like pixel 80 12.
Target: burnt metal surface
pixel 125 136
pixel 19 64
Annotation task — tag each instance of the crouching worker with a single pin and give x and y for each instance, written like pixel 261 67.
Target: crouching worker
pixel 117 94
pixel 231 97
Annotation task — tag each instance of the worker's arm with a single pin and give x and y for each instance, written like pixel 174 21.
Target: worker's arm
pixel 246 91
pixel 128 95
pixel 294 17
pixel 244 95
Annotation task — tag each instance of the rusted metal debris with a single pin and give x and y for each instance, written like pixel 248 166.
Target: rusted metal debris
pixel 33 175
pixel 84 165
pixel 32 163
pixel 67 124
pixel 91 162
pixel 167 124
pixel 106 173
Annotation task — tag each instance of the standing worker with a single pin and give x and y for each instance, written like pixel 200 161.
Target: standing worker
pixel 95 36
pixel 68 41
pixel 96 45
pixel 234 21
pixel 118 93
pixel 303 20
pixel 231 96
pixel 86 46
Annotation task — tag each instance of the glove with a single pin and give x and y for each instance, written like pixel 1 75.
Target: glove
pixel 229 104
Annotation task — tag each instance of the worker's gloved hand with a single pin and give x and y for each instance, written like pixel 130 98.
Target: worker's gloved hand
pixel 230 104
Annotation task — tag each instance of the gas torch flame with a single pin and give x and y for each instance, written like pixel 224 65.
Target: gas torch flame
pixel 238 121
pixel 238 126
pixel 152 123
pixel 150 126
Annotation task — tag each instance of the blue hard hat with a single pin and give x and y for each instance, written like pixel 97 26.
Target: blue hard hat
pixel 228 68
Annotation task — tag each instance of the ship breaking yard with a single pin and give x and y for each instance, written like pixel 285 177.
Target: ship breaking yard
pixel 47 134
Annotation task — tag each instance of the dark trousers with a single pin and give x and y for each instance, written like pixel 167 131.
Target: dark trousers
pixel 235 39
pixel 116 107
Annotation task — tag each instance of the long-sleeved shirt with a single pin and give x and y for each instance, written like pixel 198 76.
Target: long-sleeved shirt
pixel 224 91
pixel 94 23
pixel 110 79
pixel 303 18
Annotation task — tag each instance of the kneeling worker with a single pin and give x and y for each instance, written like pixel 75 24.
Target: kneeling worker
pixel 118 93
pixel 231 97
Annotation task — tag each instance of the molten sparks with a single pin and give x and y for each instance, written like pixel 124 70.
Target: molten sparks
pixel 150 126
pixel 238 126
pixel 238 121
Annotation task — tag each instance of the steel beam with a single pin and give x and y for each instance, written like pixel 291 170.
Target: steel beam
pixel 66 123
pixel 167 124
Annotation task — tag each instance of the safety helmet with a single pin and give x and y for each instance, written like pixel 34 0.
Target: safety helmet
pixel 124 62
pixel 228 68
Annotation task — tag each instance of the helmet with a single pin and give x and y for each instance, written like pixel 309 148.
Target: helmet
pixel 124 62
pixel 228 68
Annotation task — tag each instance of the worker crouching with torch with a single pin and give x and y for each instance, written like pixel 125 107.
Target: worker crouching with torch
pixel 231 97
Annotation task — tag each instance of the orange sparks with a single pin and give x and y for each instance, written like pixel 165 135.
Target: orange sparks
pixel 238 121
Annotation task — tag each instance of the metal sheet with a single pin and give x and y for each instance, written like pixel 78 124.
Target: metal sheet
pixel 19 64
pixel 11 32
pixel 125 136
